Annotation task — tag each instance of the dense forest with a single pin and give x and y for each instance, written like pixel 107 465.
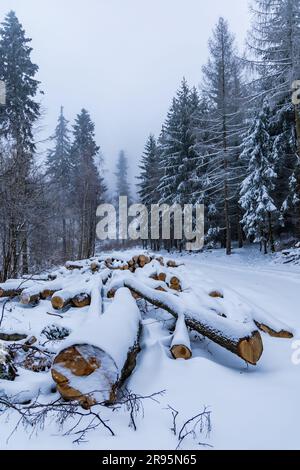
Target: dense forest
pixel 232 145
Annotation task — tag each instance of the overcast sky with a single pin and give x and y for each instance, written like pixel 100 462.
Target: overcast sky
pixel 121 59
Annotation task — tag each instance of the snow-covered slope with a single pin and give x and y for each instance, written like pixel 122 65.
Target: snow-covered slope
pixel 252 407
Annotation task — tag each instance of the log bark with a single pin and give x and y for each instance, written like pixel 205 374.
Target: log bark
pixel 13 337
pixel 241 339
pixel 71 266
pixel 7 292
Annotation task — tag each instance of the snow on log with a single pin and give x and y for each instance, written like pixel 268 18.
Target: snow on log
pixel 78 296
pixel 43 290
pixel 118 281
pixel 181 345
pixel 98 358
pixel 77 291
pixel 14 287
pixel 242 339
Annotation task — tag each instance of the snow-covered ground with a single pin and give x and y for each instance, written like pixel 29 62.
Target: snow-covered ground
pixel 252 407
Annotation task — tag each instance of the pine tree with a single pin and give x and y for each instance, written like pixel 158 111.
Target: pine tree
pixel 88 184
pixel 17 119
pixel 258 187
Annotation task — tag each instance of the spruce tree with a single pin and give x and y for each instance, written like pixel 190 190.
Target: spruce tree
pixel 149 179
pixel 88 184
pixel 178 152
pixel 60 172
pixel 222 88
pixel 150 173
pixel 17 119
pixel 258 187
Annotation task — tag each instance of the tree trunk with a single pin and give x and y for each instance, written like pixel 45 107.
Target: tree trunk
pixel 271 236
pixel 240 230
pixel 25 263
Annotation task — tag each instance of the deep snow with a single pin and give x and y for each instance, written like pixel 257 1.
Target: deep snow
pixel 251 407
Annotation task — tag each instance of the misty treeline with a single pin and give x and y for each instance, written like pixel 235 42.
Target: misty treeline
pixel 234 143
pixel 48 205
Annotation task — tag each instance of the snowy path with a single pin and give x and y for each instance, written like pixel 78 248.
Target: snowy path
pixel 252 407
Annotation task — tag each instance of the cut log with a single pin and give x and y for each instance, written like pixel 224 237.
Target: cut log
pixel 284 334
pixel 93 368
pixel 14 287
pixel 181 345
pixel 160 260
pixel 46 293
pixel 95 266
pixel 78 296
pixel 81 300
pixel 42 290
pixel 143 260
pixel 241 339
pixel 61 299
pixel 71 266
pixel 273 327
pixel 216 294
pixel 162 277
pixel 175 283
pixel 12 337
pixel 172 264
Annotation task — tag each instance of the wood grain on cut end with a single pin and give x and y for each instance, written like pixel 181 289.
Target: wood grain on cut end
pixel 72 360
pixel 250 349
pixel 181 352
pixel 81 300
pixel 58 302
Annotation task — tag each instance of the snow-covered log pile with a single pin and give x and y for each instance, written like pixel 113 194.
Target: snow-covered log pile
pixel 99 306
